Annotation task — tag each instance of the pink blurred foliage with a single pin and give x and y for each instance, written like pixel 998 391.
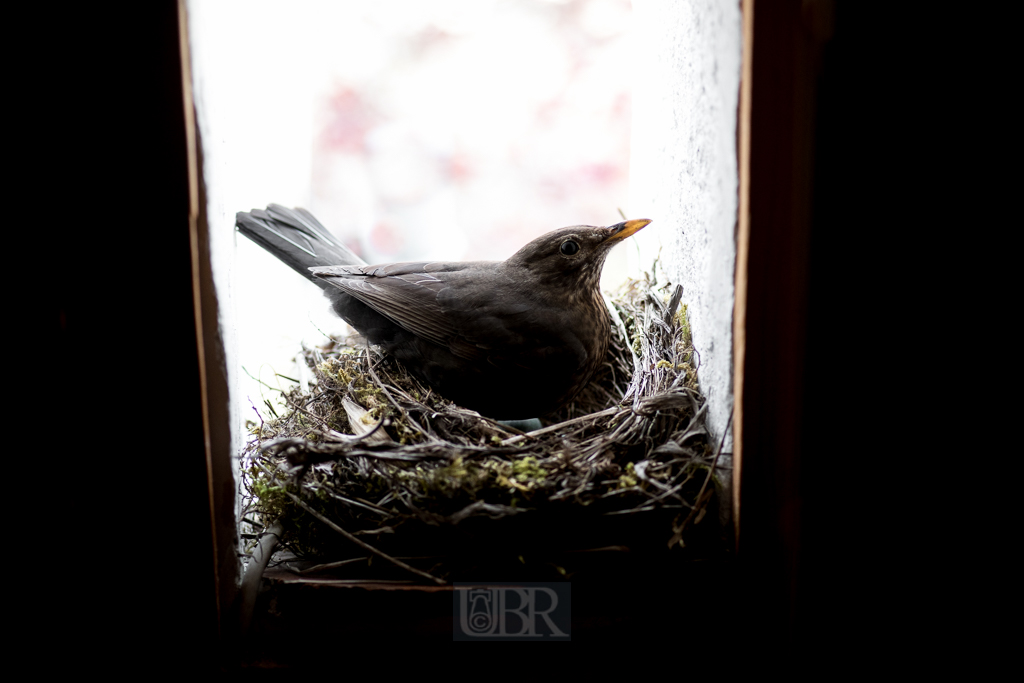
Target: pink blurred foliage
pixel 460 169
pixel 397 184
pixel 386 238
pixel 349 118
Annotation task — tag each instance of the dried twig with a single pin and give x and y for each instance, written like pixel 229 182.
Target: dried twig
pixel 362 544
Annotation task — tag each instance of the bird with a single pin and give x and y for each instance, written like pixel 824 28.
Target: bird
pixel 512 340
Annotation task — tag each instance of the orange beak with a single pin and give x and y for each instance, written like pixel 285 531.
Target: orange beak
pixel 626 228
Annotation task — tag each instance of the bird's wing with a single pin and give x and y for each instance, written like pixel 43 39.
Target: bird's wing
pixel 445 304
pixel 404 292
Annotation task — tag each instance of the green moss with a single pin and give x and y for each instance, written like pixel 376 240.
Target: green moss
pixel 526 470
pixel 459 476
pixel 628 478
pixel 683 319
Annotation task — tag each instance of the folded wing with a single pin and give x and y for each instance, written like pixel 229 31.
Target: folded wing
pixel 406 293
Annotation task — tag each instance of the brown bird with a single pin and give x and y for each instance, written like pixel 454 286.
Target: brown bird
pixel 510 339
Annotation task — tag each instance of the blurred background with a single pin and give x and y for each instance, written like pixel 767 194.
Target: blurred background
pixel 413 129
pixel 462 130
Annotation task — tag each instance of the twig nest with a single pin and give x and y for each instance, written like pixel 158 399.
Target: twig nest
pixel 396 465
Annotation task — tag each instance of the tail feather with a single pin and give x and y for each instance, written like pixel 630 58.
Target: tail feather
pixel 296 238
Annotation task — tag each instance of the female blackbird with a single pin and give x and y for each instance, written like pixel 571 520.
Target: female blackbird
pixel 511 339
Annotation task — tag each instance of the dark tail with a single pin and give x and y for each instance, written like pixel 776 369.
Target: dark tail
pixel 297 238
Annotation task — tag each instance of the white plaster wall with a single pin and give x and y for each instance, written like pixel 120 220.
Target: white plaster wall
pixel 684 169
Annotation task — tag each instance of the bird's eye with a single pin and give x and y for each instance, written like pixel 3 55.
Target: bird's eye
pixel 569 247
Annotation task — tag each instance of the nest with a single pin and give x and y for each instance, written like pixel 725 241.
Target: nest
pixel 368 463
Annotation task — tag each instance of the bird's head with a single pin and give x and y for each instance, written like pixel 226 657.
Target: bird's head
pixel 573 255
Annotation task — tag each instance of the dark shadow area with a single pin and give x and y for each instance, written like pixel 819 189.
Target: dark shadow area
pixel 122 331
pixel 622 599
pixel 120 318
